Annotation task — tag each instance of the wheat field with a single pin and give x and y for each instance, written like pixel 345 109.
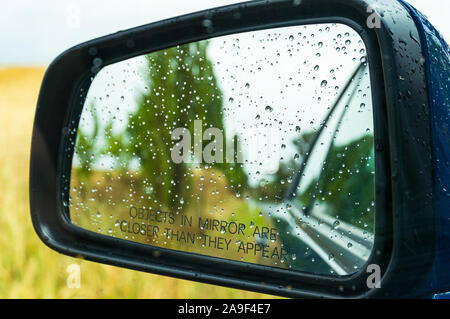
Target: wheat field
pixel 28 269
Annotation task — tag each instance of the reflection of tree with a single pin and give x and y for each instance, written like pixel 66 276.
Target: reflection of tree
pixel 181 87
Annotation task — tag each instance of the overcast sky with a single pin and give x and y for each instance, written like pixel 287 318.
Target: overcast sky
pixel 34 32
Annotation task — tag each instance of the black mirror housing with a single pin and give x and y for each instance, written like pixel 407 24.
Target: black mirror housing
pixel 405 224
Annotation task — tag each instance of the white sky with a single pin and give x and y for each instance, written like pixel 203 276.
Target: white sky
pixel 34 32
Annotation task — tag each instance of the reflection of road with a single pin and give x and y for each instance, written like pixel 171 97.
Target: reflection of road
pixel 342 246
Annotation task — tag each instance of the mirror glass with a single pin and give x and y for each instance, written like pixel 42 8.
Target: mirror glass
pixel 255 147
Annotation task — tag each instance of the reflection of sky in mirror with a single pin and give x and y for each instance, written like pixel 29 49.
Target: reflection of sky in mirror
pixel 287 79
pixel 280 83
pixel 114 92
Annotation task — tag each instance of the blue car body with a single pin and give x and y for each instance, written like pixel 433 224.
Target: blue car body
pixel 437 63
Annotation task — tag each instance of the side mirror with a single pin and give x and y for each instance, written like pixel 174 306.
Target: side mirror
pixel 285 147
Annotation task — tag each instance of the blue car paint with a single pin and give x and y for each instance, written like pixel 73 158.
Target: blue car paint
pixel 437 64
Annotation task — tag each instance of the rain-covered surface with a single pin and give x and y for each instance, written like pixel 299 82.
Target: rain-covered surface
pixel 437 57
pixel 256 147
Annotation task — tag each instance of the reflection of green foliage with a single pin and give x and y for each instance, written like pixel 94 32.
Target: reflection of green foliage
pixel 181 87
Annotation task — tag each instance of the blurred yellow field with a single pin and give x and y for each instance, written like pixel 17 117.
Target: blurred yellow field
pixel 28 269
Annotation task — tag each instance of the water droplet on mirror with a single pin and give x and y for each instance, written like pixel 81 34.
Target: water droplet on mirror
pixel 269 109
pixel 336 224
pixel 207 23
pixel 323 84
